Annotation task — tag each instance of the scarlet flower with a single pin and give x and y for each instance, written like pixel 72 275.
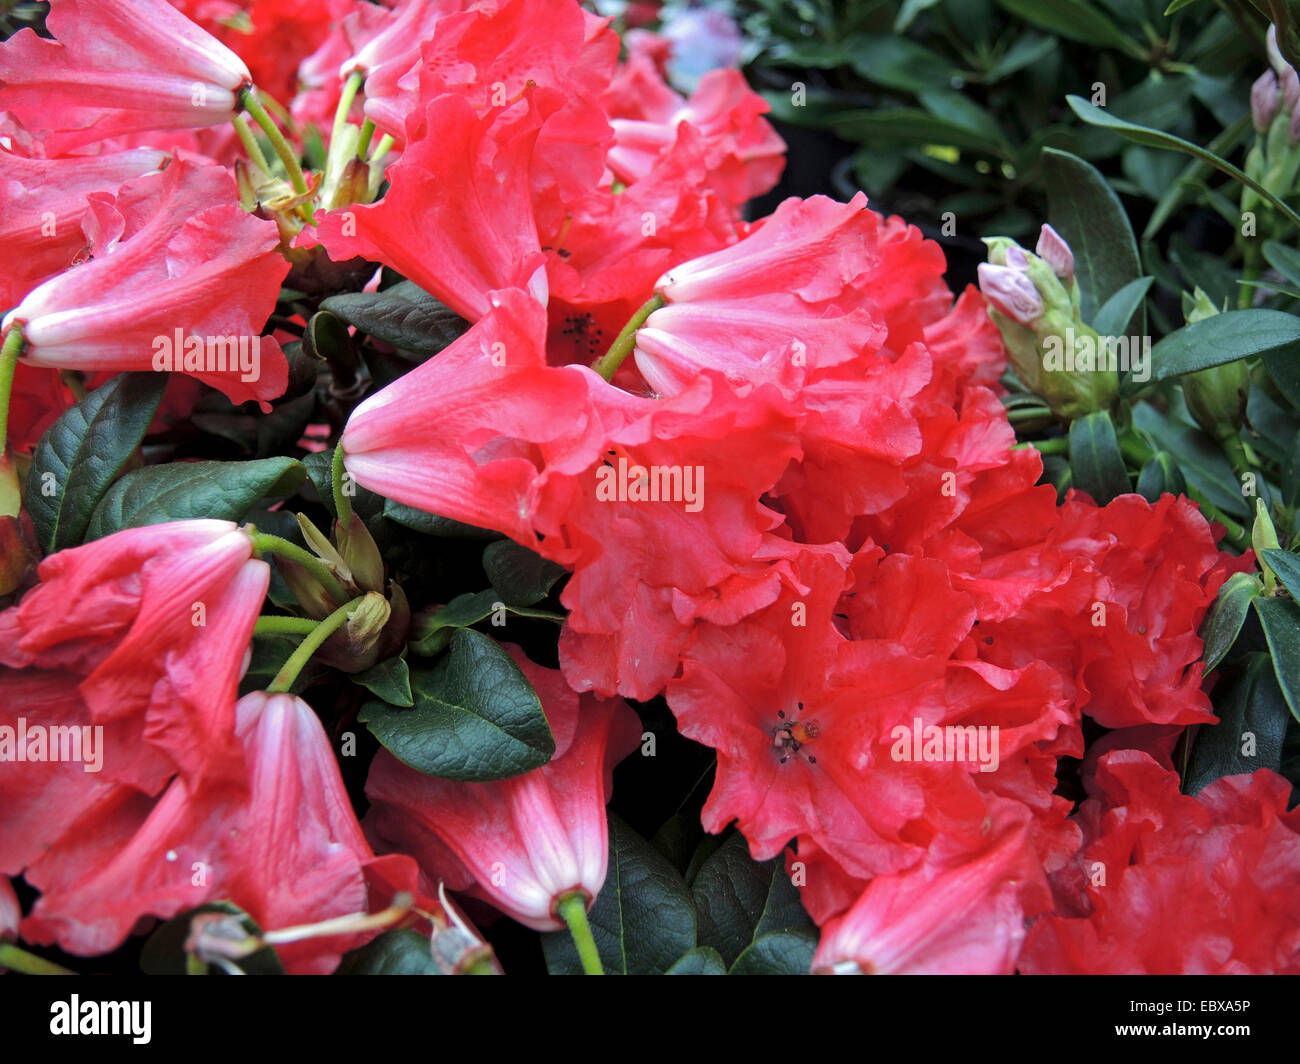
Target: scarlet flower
pixel 180 279
pixel 1167 883
pixel 156 621
pixel 10 912
pixel 285 847
pixel 120 67
pixel 962 915
pixel 457 218
pixel 43 206
pixel 522 844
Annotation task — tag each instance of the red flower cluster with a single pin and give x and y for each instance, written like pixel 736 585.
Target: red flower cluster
pixel 771 453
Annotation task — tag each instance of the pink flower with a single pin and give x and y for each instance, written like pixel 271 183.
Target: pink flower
pixel 180 280
pixel 157 621
pixel 118 67
pixel 43 204
pixel 10 912
pixel 1011 291
pixel 285 847
pixel 522 843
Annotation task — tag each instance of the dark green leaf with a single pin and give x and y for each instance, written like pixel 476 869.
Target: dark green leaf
pixel 183 490
pixel 1075 20
pixel 1286 566
pixel 405 316
pixel 84 451
pixel 1284 367
pixel 738 900
pixel 780 953
pixel 643 920
pixel 1252 725
pixel 1087 213
pixel 1095 458
pixel 1156 138
pixel 700 961
pixel 400 952
pixel 433 629
pixel 432 524
pixel 1223 623
pixel 1280 619
pixel 389 680
pixel 521 576
pixel 1207 471
pixel 476 716
pixel 1218 339
pixel 1161 476
pixel 1116 316
pixel 1284 259
pixel 899 63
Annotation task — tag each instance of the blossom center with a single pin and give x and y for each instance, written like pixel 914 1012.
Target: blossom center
pixel 790 735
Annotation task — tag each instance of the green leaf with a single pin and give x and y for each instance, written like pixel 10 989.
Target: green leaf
pixel 702 960
pixel 1280 619
pixel 433 629
pixel 738 900
pixel 1029 49
pixel 1193 175
pixel 164 951
pixel 521 576
pixel 84 451
pixel 1284 367
pixel 1161 476
pixel 476 717
pixel 1223 623
pixel 1207 471
pixel 1115 318
pixel 1286 566
pixel 1218 339
pixel 183 490
pixel 909 125
pixel 1075 20
pixel 1251 730
pixel 1095 458
pixel 962 111
pixel 1084 209
pixel 1155 138
pixel 1284 259
pixel 1178 5
pixel 432 524
pixel 389 680
pixel 399 952
pixel 642 921
pixel 405 316
pixel 780 953
pixel 899 63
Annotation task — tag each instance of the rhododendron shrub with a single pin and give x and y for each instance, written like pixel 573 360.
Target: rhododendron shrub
pixel 442 503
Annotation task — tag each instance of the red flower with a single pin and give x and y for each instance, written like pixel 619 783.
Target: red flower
pixel 1167 883
pixel 156 621
pixel 285 847
pixel 10 912
pixel 457 219
pixel 522 843
pixel 120 67
pixel 180 280
pixel 960 914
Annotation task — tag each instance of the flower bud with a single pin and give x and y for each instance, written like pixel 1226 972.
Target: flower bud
pixel 1216 397
pixel 1054 251
pixel 1265 99
pixel 1012 292
pixel 1289 82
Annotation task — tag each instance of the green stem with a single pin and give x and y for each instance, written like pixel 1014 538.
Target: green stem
pixel 367 131
pixel 9 353
pixel 259 114
pixel 381 149
pixel 265 542
pixel 19 960
pixel 626 340
pixel 573 910
pixel 350 89
pixel 1057 445
pixel 285 677
pixel 273 625
pixel 251 148
pixel 342 504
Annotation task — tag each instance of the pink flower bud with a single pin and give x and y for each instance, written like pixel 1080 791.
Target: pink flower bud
pixel 1054 251
pixel 1290 84
pixel 1012 292
pixel 1293 128
pixel 1264 100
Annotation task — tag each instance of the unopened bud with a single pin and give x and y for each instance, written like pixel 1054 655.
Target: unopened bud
pixel 1012 292
pixel 1289 83
pixel 1265 98
pixel 1054 251
pixel 1216 397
